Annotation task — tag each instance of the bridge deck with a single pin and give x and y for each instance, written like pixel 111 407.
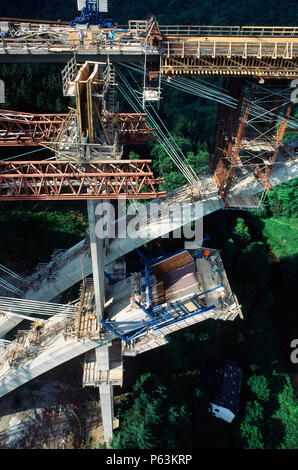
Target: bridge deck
pixel 272 50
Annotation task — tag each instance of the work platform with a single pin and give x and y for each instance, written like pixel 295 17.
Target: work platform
pixel 195 288
pixel 248 50
pixel 173 293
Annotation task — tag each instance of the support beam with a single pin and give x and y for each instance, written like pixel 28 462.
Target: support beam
pixel 19 128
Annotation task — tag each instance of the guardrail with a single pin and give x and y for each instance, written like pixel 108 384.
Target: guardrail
pixel 243 49
pixel 192 30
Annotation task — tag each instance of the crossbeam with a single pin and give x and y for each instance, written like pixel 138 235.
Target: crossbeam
pixel 63 180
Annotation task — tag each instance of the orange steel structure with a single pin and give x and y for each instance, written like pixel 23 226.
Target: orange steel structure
pixel 18 128
pixel 250 135
pixel 21 129
pixel 63 180
pixel 134 129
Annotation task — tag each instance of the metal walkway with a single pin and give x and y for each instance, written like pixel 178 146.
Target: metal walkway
pixel 248 50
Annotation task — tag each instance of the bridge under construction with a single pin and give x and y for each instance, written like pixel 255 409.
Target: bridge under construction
pixel 120 314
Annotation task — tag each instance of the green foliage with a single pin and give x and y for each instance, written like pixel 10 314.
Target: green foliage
pixel 141 421
pixel 32 86
pixel 249 428
pixel 253 264
pixel 30 236
pixel 241 233
pixel 224 12
pixel 166 168
pixel 88 443
pixel 252 436
pixel 282 235
pixel 282 200
pixel 259 385
pixel 288 414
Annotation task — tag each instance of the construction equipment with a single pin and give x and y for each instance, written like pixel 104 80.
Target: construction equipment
pixel 91 10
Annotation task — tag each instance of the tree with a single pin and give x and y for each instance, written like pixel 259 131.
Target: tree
pixel 253 265
pixel 250 426
pixel 140 422
pixel 241 233
pixel 259 385
pixel 283 198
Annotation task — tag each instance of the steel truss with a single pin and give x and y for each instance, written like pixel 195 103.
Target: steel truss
pixel 63 180
pixel 134 129
pixel 192 61
pixel 248 138
pixel 18 128
pixel 22 129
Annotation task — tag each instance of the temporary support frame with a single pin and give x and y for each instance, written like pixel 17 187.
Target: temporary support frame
pixel 19 128
pixel 249 138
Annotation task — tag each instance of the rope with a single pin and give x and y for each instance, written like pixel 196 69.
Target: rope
pixel 167 144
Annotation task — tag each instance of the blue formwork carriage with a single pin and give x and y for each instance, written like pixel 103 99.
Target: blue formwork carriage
pixel 149 262
pixel 159 317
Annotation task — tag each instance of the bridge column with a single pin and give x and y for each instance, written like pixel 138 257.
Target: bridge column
pixel 97 258
pixel 105 392
pixel 97 246
pixel 107 409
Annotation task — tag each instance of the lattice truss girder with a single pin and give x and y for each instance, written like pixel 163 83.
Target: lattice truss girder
pixel 64 180
pixel 134 129
pixel 18 128
pixel 248 139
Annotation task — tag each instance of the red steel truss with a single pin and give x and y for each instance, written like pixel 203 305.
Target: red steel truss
pixel 63 180
pixel 20 129
pixel 248 138
pixel 134 129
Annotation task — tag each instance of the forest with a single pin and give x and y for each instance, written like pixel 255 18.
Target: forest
pixel 167 405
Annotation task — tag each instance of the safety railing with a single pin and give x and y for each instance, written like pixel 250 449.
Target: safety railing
pixel 192 30
pixel 277 31
pixel 228 49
